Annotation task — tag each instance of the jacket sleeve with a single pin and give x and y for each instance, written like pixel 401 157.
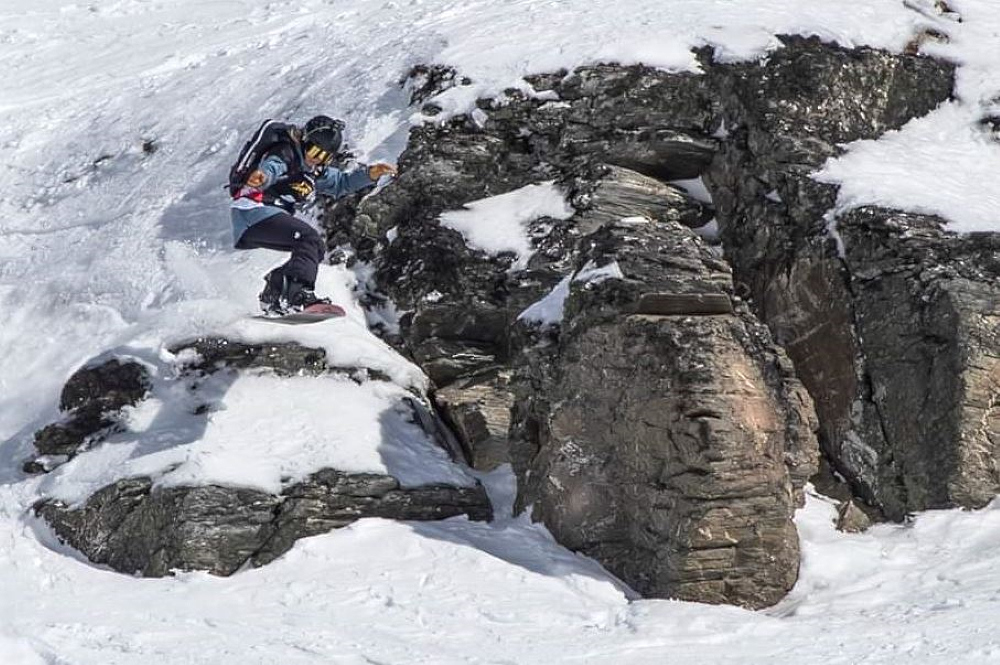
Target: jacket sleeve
pixel 273 167
pixel 337 183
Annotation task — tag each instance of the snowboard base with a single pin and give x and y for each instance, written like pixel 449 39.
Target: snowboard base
pixel 311 314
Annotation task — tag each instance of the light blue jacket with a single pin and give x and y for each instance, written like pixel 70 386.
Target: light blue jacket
pixel 246 211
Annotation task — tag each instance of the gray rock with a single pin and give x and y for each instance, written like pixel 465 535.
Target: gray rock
pixel 925 307
pixel 135 528
pixel 672 449
pixel 602 477
pixel 851 518
pixel 112 385
pixel 92 398
pixel 665 457
pixel 884 355
pixel 286 358
pixel 331 499
pixel 478 409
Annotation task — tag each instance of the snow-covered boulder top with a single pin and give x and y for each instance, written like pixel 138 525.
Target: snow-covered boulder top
pixel 237 451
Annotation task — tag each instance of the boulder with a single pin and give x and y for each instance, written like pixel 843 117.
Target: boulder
pixel 91 400
pixel 672 448
pixel 137 526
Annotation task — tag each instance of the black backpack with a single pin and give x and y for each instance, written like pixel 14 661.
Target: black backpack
pixel 270 134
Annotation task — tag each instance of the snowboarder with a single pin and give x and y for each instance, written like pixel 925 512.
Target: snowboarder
pixel 281 167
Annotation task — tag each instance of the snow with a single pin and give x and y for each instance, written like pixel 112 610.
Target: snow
pixel 459 592
pixel 309 423
pixel 549 310
pixel 500 223
pixel 695 188
pixel 944 163
pixel 117 124
pixel 593 274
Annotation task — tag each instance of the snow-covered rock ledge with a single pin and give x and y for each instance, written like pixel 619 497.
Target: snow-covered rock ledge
pixel 235 452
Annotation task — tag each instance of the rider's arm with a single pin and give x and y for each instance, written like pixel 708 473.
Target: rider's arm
pixel 267 173
pixel 337 183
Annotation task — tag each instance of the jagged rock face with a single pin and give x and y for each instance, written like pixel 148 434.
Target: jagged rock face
pixel 662 456
pixel 658 429
pixel 764 128
pixel 135 526
pixel 583 450
pixel 926 305
pixel 672 449
pixel 92 400
pixel 851 328
pixel 460 305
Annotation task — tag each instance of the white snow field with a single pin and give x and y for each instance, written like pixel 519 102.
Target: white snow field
pixel 118 122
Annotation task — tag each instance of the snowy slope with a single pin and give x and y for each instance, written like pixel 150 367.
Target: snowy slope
pixel 118 120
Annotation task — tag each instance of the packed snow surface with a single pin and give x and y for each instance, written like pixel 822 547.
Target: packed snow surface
pixel 118 121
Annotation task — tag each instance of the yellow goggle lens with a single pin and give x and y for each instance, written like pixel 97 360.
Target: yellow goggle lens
pixel 317 153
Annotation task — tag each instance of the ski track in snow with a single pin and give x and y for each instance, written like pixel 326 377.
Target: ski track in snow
pixel 107 245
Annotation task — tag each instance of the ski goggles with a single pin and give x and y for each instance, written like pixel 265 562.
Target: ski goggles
pixel 317 154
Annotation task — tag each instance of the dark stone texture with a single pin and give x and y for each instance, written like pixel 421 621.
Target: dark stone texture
pixel 92 398
pixel 606 358
pixel 112 385
pixel 331 499
pixel 286 358
pixel 672 449
pixel 927 309
pixel 137 529
pixel 134 527
pixel 883 355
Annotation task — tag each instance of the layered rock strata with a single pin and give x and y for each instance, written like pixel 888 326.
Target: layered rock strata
pixel 673 448
pixel 885 357
pixel 655 427
pixel 616 140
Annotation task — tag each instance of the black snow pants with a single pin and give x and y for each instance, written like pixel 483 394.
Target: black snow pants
pixel 285 233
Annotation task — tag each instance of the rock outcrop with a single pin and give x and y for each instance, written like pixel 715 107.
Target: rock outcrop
pixel 886 316
pixel 134 527
pixel 137 526
pixel 927 314
pixel 897 353
pixel 91 400
pixel 669 447
pixel 655 427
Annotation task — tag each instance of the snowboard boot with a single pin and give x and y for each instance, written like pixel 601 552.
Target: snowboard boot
pixel 300 296
pixel 272 298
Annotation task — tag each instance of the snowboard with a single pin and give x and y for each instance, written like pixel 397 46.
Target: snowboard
pixel 311 314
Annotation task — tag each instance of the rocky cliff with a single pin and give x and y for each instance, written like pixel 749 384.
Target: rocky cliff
pixel 658 425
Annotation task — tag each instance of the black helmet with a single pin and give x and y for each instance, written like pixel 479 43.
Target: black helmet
pixel 322 137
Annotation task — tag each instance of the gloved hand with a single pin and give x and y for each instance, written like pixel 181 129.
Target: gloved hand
pixel 376 171
pixel 256 179
pixel 304 186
